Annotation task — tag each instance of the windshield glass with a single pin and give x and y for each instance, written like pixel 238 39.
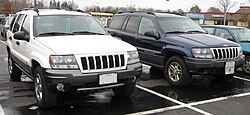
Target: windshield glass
pixel 66 25
pixel 242 34
pixel 179 25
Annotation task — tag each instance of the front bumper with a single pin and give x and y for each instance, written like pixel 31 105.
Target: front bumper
pixel 210 66
pixel 74 79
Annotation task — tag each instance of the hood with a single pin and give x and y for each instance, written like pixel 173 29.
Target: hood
pixel 200 40
pixel 84 44
pixel 245 47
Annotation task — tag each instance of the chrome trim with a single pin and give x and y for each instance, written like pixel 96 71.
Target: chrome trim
pixel 102 87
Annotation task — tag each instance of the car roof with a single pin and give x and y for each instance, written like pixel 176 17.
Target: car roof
pixel 36 12
pixel 221 26
pixel 151 14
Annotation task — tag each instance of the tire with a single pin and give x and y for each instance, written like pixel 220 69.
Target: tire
pixel 45 97
pixel 124 91
pixel 176 72
pixel 14 72
pixel 246 65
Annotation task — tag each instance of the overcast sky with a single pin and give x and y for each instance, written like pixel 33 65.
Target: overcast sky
pixel 157 4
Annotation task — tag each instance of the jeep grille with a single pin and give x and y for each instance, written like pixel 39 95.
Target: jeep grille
pixel 226 53
pixel 103 63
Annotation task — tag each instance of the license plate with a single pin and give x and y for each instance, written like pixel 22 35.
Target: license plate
pixel 108 78
pixel 229 68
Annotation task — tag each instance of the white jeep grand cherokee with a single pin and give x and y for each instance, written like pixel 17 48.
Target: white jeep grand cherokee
pixel 64 51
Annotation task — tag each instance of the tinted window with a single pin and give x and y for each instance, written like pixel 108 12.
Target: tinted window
pixel 209 30
pixel 146 25
pixel 12 22
pixel 18 23
pixel 116 22
pixel 132 24
pixel 26 26
pixel 223 33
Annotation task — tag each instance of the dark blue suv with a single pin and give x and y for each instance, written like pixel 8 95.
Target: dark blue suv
pixel 177 45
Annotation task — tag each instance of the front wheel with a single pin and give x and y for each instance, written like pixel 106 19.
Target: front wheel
pixel 246 65
pixel 124 91
pixel 176 72
pixel 45 97
pixel 14 72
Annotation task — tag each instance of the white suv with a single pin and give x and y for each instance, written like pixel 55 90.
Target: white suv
pixel 64 51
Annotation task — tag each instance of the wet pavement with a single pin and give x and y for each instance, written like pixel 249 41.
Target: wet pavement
pixel 153 95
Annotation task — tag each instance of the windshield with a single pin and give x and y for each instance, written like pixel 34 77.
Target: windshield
pixel 66 25
pixel 242 34
pixel 179 25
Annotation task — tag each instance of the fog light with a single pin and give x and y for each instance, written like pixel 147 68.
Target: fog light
pixel 60 87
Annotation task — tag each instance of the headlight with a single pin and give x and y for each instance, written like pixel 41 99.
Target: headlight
pixel 133 57
pixel 202 53
pixel 63 62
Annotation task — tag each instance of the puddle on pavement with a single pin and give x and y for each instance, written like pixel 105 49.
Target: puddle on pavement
pixel 104 103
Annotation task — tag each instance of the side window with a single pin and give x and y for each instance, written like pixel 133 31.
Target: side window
pixel 131 26
pixel 18 23
pixel 209 30
pixel 116 22
pixel 146 25
pixel 12 22
pixel 26 26
pixel 223 33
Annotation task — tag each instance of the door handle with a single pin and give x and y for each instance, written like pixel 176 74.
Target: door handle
pixel 18 43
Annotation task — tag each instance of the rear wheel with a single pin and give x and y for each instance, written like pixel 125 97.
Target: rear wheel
pixel 124 91
pixel 14 72
pixel 45 97
pixel 246 65
pixel 176 72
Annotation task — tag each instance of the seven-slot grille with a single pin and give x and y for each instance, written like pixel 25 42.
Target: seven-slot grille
pixel 225 53
pixel 103 62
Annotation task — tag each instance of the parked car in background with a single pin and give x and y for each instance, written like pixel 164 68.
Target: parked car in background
pixel 5 26
pixel 2 17
pixel 239 35
pixel 177 45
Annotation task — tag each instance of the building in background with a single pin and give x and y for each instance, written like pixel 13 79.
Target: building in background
pixel 238 18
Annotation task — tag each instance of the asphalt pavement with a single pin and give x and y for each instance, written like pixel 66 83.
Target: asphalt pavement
pixel 153 95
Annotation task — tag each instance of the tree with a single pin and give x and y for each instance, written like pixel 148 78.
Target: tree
pixel 195 8
pixel 214 9
pixel 225 6
pixel 53 4
pixel 69 5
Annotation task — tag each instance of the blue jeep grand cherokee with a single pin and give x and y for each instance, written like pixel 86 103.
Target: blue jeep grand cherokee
pixel 177 45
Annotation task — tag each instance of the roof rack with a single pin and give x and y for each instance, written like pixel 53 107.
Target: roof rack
pixel 120 12
pixel 31 8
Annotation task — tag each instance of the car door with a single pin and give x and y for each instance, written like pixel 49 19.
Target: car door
pixel 129 30
pixel 149 45
pixel 18 51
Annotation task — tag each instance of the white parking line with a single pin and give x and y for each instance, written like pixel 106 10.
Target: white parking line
pixel 241 78
pixel 173 100
pixel 1 110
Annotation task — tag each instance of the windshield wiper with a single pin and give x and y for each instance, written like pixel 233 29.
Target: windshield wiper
pixel 245 41
pixel 195 31
pixel 54 33
pixel 86 33
pixel 175 32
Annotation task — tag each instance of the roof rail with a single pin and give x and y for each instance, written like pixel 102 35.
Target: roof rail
pixel 31 8
pixel 120 12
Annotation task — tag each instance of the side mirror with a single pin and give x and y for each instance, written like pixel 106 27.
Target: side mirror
pixel 152 34
pixel 21 36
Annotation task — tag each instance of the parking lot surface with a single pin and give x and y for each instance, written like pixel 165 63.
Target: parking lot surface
pixel 153 95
